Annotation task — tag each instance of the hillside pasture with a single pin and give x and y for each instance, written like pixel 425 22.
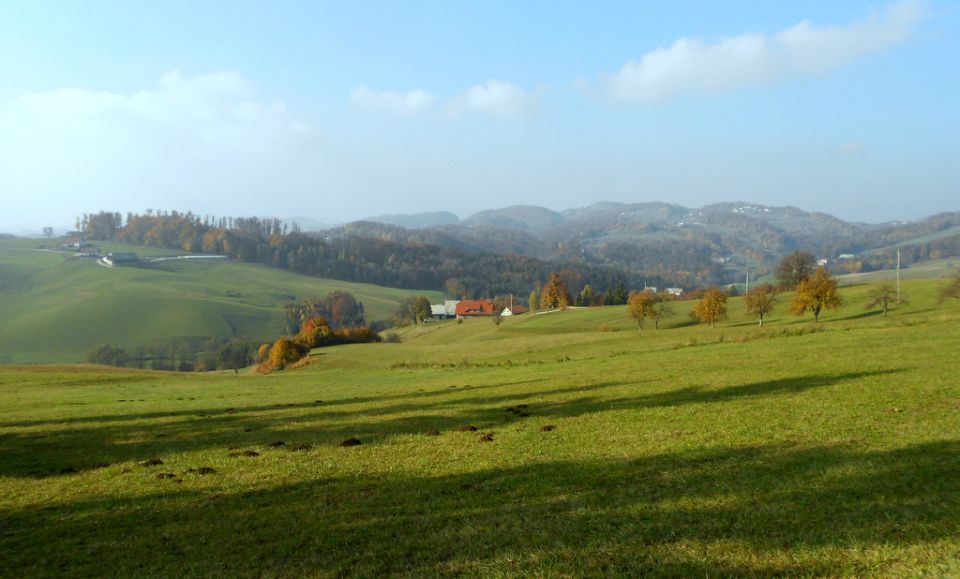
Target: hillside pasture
pixel 594 449
pixel 56 307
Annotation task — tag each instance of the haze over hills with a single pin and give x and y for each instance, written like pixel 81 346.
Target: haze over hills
pixel 712 242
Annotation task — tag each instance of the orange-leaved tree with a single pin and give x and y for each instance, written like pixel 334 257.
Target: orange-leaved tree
pixel 555 294
pixel 815 294
pixel 316 332
pixel 283 353
pixel 712 307
pixel 640 306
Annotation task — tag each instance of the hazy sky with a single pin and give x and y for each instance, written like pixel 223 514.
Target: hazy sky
pixel 342 110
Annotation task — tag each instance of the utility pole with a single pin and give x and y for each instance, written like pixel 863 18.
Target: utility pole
pixel 748 282
pixel 898 275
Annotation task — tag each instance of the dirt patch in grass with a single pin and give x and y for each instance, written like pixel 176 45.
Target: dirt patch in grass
pixel 523 414
pixel 165 475
pixel 250 453
pixel 301 446
pixel 277 444
pixel 547 428
pixel 351 442
pixel 151 462
pixel 202 470
pixel 432 433
pixel 488 437
pixel 467 428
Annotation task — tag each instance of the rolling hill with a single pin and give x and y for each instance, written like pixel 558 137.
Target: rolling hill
pixel 714 244
pixel 57 308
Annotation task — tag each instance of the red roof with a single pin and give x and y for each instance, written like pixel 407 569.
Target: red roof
pixel 475 308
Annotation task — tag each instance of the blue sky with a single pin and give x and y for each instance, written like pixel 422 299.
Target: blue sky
pixel 337 111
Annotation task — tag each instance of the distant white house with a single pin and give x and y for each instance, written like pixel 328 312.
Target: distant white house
pixel 650 288
pixel 846 256
pixel 515 311
pixel 674 291
pixel 823 262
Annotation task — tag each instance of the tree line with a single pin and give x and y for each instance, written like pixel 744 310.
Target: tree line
pixel 376 260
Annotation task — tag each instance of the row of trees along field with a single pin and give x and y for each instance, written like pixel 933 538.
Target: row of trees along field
pixel 380 261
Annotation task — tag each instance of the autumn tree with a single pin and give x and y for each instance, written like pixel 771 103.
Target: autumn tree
pixel 816 293
pixel 712 307
pixel 760 300
pixel 316 332
pixel 794 268
pixel 883 296
pixel 555 294
pixel 640 306
pixel 283 353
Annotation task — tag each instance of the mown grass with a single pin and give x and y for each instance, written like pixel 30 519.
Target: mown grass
pixel 783 451
pixel 57 308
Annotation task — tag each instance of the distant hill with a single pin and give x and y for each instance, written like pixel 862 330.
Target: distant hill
pixel 712 244
pixel 57 308
pixel 417 220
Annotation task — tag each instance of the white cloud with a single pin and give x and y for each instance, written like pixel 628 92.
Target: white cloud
pixel 691 65
pixel 496 98
pixel 408 103
pixel 203 142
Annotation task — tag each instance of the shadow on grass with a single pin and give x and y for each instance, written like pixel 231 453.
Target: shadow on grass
pixel 74 449
pixel 768 510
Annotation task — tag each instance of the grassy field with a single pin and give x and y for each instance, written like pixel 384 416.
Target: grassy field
pixel 57 308
pixel 932 269
pixel 796 450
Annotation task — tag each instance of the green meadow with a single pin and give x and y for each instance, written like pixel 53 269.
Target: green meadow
pixel 564 444
pixel 56 307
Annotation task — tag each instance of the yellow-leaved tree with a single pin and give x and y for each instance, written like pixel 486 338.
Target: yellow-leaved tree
pixel 640 306
pixel 815 294
pixel 712 307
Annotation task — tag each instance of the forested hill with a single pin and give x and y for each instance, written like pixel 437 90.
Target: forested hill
pixel 712 244
pixel 353 255
pixel 512 249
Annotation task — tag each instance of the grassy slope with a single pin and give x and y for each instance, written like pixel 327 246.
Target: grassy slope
pixel 57 308
pixel 778 452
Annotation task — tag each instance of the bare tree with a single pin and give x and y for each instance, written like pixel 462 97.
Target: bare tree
pixel 760 300
pixel 884 296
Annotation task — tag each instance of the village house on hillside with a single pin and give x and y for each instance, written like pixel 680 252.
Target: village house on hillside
pixel 444 311
pixel 474 308
pixel 513 311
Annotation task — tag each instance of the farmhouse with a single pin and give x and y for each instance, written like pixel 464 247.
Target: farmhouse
pixel 513 311
pixel 474 308
pixel 444 311
pixel 120 258
pixel 674 291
